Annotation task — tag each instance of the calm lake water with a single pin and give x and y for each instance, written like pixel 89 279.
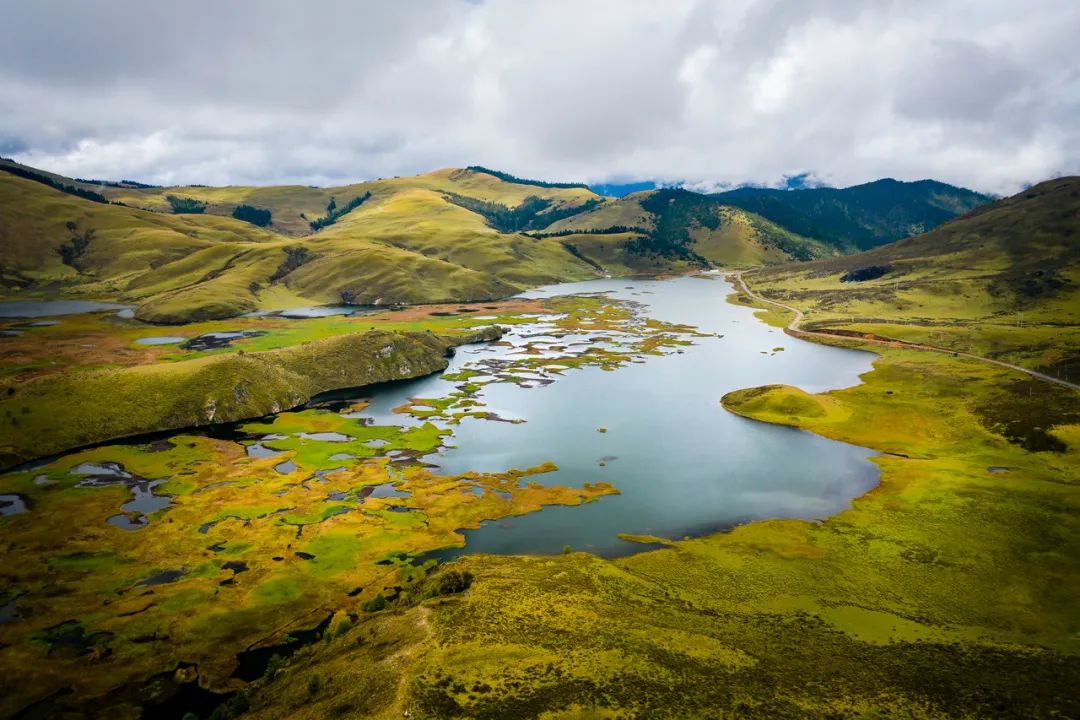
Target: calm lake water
pixel 683 464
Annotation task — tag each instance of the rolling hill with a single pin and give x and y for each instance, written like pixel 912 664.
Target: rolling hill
pixel 1002 281
pixel 405 244
pixel 194 253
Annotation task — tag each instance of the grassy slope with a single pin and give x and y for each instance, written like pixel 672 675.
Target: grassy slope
pixel 218 388
pixel 963 285
pixel 947 591
pixel 739 239
pixel 287 202
pixel 420 221
pixel 181 268
pixel 405 245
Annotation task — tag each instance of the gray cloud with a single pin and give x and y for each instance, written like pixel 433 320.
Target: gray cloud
pixel 980 93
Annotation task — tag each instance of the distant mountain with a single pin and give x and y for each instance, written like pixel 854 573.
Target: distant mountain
pixel 1016 251
pixel 859 217
pixel 618 190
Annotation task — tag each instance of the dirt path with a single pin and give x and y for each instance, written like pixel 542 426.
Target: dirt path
pixel 793 329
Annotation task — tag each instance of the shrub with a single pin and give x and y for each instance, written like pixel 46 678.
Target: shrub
pixel 375 604
pixel 273 666
pixel 872 272
pixel 182 205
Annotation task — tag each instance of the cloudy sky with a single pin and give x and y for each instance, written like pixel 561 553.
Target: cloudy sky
pixel 981 93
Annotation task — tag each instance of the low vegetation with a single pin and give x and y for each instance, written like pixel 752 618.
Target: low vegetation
pixel 269 539
pixel 854 616
pixel 944 592
pixel 276 577
pixel 115 403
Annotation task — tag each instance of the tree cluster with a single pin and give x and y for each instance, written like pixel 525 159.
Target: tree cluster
pixel 612 230
pixel 252 214
pixel 294 258
pixel 46 180
pixel 333 212
pixel 534 213
pixel 183 205
pixel 72 251
pixel 507 177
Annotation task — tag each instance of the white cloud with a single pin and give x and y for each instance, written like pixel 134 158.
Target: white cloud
pixel 717 92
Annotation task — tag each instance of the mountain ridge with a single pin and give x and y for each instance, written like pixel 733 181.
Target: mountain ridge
pixel 449 235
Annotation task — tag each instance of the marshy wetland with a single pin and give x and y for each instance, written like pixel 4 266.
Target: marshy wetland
pixel 600 398
pixel 234 561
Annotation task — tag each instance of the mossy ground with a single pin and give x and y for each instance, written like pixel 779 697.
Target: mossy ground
pixel 945 592
pixel 302 515
pixel 262 545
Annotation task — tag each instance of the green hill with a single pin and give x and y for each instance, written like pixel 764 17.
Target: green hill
pixel 406 243
pixel 859 217
pixel 677 224
pixel 1003 281
pixel 454 235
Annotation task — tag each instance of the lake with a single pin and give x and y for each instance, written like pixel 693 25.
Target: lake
pixel 684 465
pixel 651 425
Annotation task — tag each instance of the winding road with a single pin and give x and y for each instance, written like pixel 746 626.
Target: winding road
pixel 793 329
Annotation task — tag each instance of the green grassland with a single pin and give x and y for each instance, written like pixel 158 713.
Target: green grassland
pixel 945 592
pixel 105 404
pixel 406 244
pixel 249 550
pixel 1002 282
pixel 117 609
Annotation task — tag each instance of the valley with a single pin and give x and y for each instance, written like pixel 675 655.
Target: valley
pixel 466 445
